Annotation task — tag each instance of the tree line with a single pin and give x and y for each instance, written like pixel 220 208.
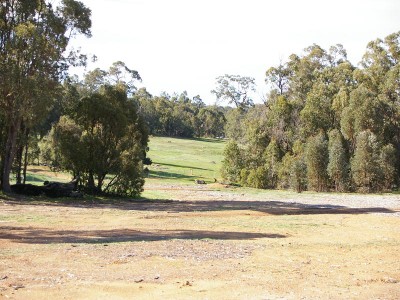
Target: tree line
pixel 179 115
pixel 325 124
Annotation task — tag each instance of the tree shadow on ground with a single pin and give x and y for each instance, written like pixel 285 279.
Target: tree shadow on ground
pixel 181 166
pixel 209 140
pixel 29 235
pixel 169 175
pixel 175 206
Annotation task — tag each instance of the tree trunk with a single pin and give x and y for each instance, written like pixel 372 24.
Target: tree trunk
pixel 9 154
pixel 26 154
pixel 18 158
pixel 100 180
pixel 91 184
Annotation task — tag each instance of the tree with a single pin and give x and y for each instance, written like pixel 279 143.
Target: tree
pixel 211 122
pixel 279 78
pixel 234 128
pixel 338 166
pixel 298 168
pixel 118 75
pixel 316 157
pixel 232 163
pixel 235 89
pixel 272 163
pixel 316 114
pixel 104 136
pixel 33 38
pixel 365 163
pixel 388 163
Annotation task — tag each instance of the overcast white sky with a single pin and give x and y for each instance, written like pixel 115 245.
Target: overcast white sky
pixel 178 45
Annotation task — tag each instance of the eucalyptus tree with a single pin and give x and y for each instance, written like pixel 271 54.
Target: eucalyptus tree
pixel 34 36
pixel 235 89
pixel 212 121
pixel 118 75
pixel 278 78
pixel 232 163
pixel 338 166
pixel 316 157
pixel 365 167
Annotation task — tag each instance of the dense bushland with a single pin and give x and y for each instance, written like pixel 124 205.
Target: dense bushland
pixel 325 124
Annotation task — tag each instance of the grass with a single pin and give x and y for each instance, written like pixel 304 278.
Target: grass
pixel 184 160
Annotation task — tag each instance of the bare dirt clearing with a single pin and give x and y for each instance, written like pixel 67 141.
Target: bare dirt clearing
pixel 206 242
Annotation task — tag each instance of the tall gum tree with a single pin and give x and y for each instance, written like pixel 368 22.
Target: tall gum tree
pixel 34 36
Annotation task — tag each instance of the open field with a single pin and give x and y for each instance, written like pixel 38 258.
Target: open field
pixel 187 241
pixel 184 160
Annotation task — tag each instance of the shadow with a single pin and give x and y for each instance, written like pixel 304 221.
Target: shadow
pixel 181 166
pixel 169 175
pixel 30 235
pixel 175 206
pixel 209 140
pixel 267 207
pixel 35 170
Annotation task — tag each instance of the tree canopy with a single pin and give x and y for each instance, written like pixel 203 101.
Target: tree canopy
pixel 333 125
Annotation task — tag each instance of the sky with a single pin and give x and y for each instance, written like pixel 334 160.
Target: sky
pixel 184 45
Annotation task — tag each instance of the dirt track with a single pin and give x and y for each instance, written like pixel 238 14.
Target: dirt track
pixel 203 244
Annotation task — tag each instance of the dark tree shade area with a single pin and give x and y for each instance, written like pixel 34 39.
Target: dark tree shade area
pixel 325 124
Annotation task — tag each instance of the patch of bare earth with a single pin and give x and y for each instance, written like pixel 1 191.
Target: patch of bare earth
pixel 203 244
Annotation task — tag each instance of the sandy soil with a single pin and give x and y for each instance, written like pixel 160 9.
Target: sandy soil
pixel 204 243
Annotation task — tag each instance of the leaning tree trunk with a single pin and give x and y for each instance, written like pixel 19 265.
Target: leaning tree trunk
pixel 9 153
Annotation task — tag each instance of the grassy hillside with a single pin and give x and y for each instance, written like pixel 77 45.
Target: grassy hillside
pixel 185 159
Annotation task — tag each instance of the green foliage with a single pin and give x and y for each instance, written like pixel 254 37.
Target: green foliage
pixel 232 163
pixel 316 158
pixel 257 178
pixel 179 116
pixel 235 89
pixel 318 93
pixel 234 125
pixel 298 168
pixel 284 171
pixel 365 163
pixel 298 175
pixel 388 162
pixel 338 166
pixel 272 164
pixel 103 136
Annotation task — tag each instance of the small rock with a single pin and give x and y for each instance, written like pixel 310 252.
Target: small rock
pixel 139 280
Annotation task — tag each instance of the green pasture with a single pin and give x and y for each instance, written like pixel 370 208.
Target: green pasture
pixel 184 160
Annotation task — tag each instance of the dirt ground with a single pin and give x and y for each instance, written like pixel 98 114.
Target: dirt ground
pixel 204 243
